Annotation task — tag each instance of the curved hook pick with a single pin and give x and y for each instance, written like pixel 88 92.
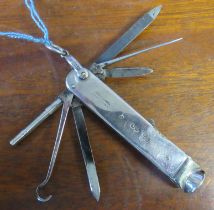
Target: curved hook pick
pixel 39 198
pixel 67 99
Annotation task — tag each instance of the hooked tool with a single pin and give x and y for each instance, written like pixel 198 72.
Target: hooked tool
pixel 81 83
pixel 100 71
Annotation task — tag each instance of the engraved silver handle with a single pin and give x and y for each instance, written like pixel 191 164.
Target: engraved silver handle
pixel 137 131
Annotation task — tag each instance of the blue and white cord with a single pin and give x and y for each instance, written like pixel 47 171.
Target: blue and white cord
pixel 37 19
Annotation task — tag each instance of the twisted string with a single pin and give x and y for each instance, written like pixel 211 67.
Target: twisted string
pixel 40 24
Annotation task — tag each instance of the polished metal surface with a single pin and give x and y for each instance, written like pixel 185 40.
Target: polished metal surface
pixel 95 68
pixel 109 62
pixel 37 121
pixel 99 71
pixel 76 66
pixel 129 35
pixel 67 99
pixel 140 133
pixel 128 72
pixel 136 130
pixel 123 72
pixel 57 49
pixel 82 74
pixel 86 148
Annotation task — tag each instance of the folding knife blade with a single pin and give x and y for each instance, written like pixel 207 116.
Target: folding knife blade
pixel 86 149
pixel 128 72
pixel 129 35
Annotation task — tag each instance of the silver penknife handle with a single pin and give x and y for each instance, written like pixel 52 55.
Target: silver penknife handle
pixel 137 131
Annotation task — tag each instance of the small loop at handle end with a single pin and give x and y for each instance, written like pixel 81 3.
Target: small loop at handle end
pixel 57 49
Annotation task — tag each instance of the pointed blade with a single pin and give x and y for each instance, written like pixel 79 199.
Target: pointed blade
pixel 129 35
pixel 86 149
pixel 128 72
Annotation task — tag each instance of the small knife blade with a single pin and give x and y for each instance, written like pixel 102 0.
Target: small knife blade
pixel 86 149
pixel 128 72
pixel 129 35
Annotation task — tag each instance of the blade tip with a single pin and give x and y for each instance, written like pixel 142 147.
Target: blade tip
pixel 151 71
pixel 159 7
pixel 12 143
pixel 155 11
pixel 96 195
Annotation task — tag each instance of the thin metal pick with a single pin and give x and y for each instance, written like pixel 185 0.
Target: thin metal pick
pixel 66 105
pixel 106 63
